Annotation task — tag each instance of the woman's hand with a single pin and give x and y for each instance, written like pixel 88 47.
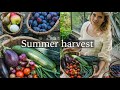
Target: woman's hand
pixel 99 68
pixel 95 75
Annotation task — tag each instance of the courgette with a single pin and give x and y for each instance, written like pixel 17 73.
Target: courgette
pixel 82 61
pixel 51 54
pixel 92 60
pixel 36 56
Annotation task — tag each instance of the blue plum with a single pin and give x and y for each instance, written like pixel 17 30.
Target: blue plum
pixel 34 24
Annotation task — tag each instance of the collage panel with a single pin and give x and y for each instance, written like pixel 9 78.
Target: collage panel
pixel 29 45
pixel 90 45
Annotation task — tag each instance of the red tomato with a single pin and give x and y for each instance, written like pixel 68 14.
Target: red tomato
pixel 26 71
pixel 35 76
pixel 79 76
pixel 67 72
pixel 74 66
pixel 71 76
pixel 71 66
pixel 20 74
pixel 32 67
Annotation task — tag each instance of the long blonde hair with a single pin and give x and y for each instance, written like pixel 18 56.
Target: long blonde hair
pixel 105 25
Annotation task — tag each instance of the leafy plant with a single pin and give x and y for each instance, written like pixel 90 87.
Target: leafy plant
pixel 65 25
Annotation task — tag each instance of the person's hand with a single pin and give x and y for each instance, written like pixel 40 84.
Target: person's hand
pixel 95 75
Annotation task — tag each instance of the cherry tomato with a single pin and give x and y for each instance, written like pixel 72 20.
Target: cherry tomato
pixel 79 76
pixel 32 67
pixel 67 72
pixel 74 66
pixel 71 76
pixel 20 74
pixel 78 70
pixel 35 76
pixel 26 71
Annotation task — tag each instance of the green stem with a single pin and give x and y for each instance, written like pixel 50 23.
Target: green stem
pixel 50 70
pixel 47 74
pixel 38 72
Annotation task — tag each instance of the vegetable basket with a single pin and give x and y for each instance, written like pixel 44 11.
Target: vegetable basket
pixel 114 69
pixel 4 27
pixel 40 33
pixel 62 66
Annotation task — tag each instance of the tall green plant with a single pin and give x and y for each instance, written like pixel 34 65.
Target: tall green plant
pixel 65 25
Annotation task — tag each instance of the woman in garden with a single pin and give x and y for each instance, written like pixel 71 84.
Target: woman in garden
pixel 98 28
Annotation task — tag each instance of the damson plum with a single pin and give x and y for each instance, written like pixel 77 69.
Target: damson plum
pixel 40 25
pixel 44 26
pixel 39 20
pixel 32 18
pixel 34 24
pixel 43 30
pixel 55 19
pixel 30 22
pixel 49 27
pixel 44 21
pixel 36 15
pixel 49 16
pixel 44 13
pixel 40 13
pixel 42 17
pixel 52 23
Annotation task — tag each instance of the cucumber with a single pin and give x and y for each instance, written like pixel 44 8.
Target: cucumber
pixel 51 54
pixel 36 56
pixel 82 61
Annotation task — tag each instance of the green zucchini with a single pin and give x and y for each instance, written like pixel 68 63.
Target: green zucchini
pixel 82 61
pixel 51 54
pixel 36 56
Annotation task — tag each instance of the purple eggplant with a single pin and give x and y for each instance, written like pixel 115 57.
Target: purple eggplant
pixel 11 58
pixel 3 69
pixel 63 63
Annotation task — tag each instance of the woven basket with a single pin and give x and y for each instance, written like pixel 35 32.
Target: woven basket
pixel 11 41
pixel 75 53
pixel 117 62
pixel 4 28
pixel 40 33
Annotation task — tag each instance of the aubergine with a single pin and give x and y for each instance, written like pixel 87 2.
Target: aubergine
pixel 11 58
pixel 3 69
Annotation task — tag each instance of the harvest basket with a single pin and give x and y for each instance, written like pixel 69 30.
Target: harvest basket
pixel 115 72
pixel 61 67
pixel 40 33
pixel 5 29
pixel 11 41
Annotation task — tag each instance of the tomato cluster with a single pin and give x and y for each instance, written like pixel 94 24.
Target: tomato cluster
pixel 73 69
pixel 25 69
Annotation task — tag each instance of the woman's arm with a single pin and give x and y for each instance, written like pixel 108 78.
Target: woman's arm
pixel 101 66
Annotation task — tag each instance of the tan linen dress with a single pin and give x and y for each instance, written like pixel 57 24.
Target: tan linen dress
pixel 102 45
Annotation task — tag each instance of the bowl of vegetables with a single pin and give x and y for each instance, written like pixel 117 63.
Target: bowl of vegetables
pixel 11 22
pixel 73 66
pixel 42 23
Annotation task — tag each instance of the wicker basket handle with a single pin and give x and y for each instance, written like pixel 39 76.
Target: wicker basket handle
pixel 23 15
pixel 113 62
pixel 6 35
